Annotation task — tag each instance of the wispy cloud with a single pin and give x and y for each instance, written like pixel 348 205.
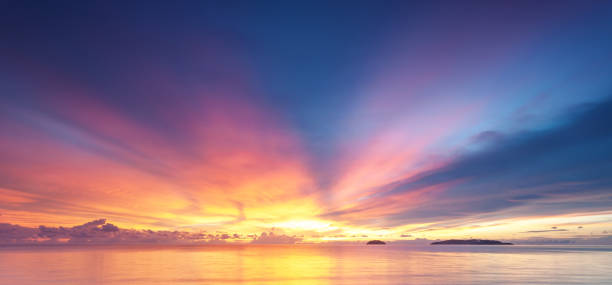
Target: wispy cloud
pixel 546 231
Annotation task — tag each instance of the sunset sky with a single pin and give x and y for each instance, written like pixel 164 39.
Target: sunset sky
pixel 312 120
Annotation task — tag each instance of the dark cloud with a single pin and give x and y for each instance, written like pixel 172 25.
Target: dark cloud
pixel 487 137
pixel 17 234
pixel 101 232
pixel 572 160
pixel 546 231
pixel 581 143
pixel 110 228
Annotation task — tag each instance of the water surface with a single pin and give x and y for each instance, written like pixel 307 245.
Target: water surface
pixel 305 264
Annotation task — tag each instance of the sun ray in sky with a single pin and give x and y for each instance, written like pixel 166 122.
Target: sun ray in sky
pixel 209 122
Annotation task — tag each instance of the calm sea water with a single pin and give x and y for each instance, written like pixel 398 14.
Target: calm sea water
pixel 306 264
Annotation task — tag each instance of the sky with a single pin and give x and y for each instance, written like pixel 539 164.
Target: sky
pixel 305 121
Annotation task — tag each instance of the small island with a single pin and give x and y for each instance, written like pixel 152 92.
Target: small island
pixel 375 242
pixel 472 242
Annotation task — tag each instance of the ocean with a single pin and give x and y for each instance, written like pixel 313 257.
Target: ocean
pixel 306 264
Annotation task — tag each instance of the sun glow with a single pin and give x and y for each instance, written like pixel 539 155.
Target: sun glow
pixel 306 225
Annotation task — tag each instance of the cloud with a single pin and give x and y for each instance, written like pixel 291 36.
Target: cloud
pixel 546 231
pixel 10 234
pixel 271 238
pixel 569 148
pixel 487 137
pixel 561 168
pixel 101 232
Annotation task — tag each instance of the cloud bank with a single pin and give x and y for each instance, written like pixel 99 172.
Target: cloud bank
pixel 101 232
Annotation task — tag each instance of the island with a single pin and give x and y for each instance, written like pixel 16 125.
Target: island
pixel 375 242
pixel 472 242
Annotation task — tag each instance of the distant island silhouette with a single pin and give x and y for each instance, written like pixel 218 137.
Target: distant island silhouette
pixel 472 242
pixel 375 242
